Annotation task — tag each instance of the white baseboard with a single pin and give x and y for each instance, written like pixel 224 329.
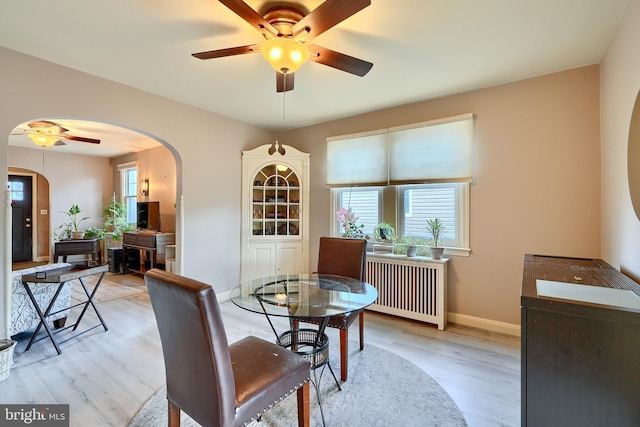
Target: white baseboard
pixel 486 324
pixel 224 296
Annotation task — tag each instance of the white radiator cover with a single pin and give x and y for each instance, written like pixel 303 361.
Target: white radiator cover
pixel 414 288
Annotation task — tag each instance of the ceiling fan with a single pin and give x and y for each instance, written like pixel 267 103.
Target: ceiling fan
pixel 45 134
pixel 288 32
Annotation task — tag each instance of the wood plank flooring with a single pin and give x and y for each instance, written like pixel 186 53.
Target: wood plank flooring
pixel 107 376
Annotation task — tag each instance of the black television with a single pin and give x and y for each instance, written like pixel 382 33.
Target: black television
pixel 148 215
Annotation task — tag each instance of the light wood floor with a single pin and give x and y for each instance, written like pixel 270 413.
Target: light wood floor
pixel 107 376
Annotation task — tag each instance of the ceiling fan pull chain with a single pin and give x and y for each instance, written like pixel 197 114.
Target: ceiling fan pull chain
pixel 284 98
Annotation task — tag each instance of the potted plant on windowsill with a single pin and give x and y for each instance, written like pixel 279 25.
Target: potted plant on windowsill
pixel 436 228
pixel 384 232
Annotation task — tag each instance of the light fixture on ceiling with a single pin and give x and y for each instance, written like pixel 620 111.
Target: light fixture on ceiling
pixel 43 139
pixel 144 186
pixel 284 54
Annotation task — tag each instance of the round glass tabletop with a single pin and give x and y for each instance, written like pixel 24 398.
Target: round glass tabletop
pixel 304 295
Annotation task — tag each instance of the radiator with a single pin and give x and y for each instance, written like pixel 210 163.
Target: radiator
pixel 410 288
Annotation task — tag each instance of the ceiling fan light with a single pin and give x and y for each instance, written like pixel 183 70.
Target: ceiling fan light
pixel 43 139
pixel 285 55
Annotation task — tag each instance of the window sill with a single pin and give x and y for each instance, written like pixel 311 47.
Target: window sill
pixel 448 252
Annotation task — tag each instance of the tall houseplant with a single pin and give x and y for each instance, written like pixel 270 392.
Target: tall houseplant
pixel 436 228
pixel 71 229
pixel 116 218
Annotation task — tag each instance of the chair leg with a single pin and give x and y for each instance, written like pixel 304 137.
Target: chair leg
pixel 303 406
pixel 344 353
pixel 173 414
pixel 361 322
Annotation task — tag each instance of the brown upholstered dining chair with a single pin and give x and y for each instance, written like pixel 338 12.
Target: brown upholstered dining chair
pixel 343 257
pixel 215 383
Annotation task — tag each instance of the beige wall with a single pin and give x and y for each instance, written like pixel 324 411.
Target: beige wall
pixel 537 186
pixel 620 84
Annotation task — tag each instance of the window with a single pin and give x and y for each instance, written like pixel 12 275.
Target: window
pixel 17 190
pixel 421 202
pixel 364 202
pixel 129 181
pixel 414 204
pixel 405 176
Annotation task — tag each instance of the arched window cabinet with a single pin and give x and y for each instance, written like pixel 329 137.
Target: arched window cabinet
pixel 275 189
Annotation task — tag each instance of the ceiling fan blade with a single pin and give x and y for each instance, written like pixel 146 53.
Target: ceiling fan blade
pixel 339 60
pixel 81 139
pixel 284 82
pixel 327 15
pixel 230 51
pixel 247 13
pixel 59 143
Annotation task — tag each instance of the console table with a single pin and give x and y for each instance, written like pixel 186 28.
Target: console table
pixel 580 344
pixel 153 242
pixel 63 248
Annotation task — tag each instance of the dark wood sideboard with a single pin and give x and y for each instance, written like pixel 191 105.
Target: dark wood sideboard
pixel 580 344
pixel 64 248
pixel 151 242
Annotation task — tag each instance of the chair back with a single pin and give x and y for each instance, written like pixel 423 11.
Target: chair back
pixel 342 257
pixel 195 348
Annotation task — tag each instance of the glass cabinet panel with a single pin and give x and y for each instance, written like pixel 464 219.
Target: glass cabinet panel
pixel 276 202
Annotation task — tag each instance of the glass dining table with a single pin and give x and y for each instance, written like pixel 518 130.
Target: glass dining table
pixel 304 296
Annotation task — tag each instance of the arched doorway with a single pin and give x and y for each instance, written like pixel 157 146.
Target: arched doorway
pixel 30 230
pixel 86 173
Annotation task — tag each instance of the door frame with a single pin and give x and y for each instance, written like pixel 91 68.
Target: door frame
pixel 34 209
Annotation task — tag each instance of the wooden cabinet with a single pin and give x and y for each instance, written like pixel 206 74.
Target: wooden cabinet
pixel 580 344
pixel 152 243
pixel 275 200
pixel 65 248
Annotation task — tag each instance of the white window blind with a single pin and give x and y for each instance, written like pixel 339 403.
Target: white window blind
pixel 434 151
pixel 357 159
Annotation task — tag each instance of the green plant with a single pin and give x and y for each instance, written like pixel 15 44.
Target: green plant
pixel 64 230
pixel 401 246
pixel 95 233
pixel 116 218
pixel 436 228
pixel 384 231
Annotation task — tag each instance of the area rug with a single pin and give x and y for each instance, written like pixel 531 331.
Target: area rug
pixel 108 290
pixel 383 390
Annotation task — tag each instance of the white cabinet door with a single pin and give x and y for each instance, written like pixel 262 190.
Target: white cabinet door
pixel 269 258
pixel 262 260
pixel 289 258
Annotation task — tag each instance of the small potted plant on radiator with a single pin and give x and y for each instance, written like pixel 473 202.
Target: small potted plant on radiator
pixel 436 228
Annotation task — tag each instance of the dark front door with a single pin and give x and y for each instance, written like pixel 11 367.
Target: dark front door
pixel 21 226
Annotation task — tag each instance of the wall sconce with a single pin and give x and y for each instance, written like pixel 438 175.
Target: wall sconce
pixel 144 186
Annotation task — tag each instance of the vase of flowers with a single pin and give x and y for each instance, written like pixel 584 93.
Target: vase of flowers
pixel 347 220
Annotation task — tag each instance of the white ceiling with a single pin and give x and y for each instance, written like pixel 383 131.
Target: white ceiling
pixel 420 49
